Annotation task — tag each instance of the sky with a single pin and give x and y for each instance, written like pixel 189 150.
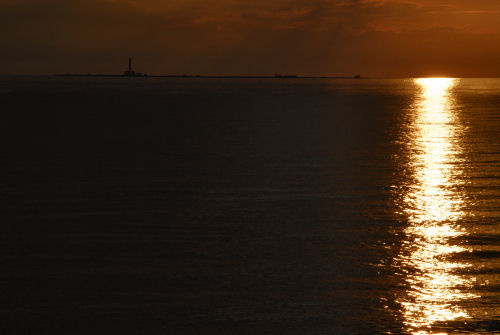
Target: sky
pixel 381 38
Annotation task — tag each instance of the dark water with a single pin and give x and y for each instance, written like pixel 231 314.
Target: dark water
pixel 180 206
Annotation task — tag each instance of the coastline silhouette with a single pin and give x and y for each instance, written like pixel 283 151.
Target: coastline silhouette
pixel 131 73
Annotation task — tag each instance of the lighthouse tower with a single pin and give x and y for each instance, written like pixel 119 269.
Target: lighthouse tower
pixel 130 72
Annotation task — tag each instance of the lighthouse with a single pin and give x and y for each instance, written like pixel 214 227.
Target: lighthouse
pixel 130 72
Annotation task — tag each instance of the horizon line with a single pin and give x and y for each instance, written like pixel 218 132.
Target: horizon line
pixel 242 76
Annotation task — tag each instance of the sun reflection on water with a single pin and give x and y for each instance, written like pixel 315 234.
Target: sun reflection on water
pixel 433 203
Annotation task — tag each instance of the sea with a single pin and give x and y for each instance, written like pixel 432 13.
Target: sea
pixel 249 206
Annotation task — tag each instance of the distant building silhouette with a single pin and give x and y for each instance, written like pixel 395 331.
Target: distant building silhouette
pixel 130 72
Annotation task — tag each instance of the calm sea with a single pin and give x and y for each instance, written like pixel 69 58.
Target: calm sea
pixel 256 206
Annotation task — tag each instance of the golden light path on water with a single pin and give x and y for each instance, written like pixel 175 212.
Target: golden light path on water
pixel 433 204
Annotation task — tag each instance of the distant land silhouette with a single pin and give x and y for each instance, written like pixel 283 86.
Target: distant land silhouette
pixel 131 73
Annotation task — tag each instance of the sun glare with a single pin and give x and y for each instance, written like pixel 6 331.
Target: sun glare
pixel 433 207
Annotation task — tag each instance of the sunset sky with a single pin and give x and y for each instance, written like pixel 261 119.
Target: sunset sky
pixel 306 37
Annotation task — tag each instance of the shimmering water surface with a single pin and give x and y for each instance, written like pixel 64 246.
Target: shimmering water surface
pixel 434 202
pixel 278 206
pixel 444 274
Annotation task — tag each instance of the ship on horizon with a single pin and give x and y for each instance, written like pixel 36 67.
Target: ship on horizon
pixel 278 75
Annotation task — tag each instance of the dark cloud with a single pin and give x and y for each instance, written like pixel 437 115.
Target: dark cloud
pixel 371 37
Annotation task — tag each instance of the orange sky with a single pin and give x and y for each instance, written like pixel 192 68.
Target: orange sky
pixel 317 37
